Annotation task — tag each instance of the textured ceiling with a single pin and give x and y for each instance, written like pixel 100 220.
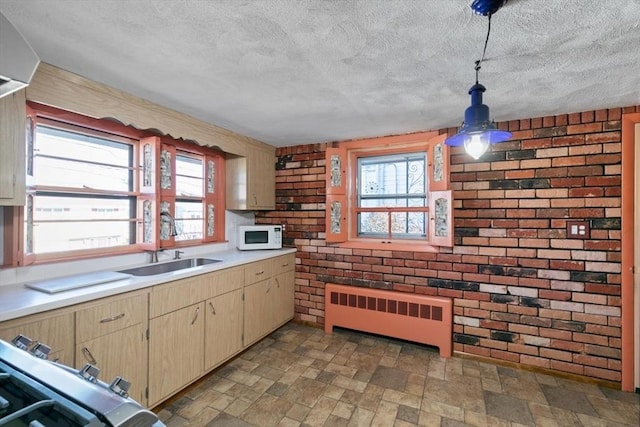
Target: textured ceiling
pixel 289 72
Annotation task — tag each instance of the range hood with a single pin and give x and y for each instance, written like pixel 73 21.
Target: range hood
pixel 18 61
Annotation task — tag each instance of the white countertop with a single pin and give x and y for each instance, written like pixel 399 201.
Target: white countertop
pixel 17 300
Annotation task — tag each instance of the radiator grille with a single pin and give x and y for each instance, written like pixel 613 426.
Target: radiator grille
pixel 404 308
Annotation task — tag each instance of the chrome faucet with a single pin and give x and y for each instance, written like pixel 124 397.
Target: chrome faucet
pixel 172 223
pixel 154 255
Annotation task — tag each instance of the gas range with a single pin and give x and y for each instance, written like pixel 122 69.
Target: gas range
pixel 35 392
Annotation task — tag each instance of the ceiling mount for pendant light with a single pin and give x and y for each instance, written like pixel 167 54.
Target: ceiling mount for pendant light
pixel 478 131
pixel 486 7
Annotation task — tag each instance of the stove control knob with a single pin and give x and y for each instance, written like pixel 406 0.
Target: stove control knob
pixel 41 350
pixel 90 373
pixel 22 342
pixel 120 386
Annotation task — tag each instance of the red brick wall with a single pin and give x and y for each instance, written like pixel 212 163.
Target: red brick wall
pixel 522 291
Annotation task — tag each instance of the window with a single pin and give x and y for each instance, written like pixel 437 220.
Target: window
pixel 83 197
pixel 97 187
pixel 189 195
pixel 392 198
pixel 389 193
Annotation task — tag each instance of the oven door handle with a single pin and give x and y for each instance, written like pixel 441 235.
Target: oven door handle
pixel 87 355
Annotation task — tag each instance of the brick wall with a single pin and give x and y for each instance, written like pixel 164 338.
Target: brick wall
pixel 522 291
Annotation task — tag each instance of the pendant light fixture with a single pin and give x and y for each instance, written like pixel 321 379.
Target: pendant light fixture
pixel 478 131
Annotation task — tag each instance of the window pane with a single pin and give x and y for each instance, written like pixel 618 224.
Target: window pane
pixel 71 174
pixel 407 225
pixel 73 223
pixel 391 175
pixel 189 176
pixel 404 225
pixel 74 145
pixel 73 160
pixel 373 224
pixel 189 220
pixel 393 202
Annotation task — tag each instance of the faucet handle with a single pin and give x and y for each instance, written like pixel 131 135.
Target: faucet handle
pixel 177 254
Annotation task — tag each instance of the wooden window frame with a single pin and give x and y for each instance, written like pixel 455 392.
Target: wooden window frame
pixel 216 198
pixel 341 204
pixel 14 235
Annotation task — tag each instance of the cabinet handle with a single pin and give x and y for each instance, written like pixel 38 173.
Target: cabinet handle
pixel 112 318
pixel 87 355
pixel 213 309
pixel 259 273
pixel 268 287
pixel 278 283
pixel 195 317
pixel 255 199
pixel 285 265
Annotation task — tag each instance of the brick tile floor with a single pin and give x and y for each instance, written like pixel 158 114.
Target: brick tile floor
pixel 300 376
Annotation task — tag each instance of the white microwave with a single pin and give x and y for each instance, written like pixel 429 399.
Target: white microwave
pixel 255 237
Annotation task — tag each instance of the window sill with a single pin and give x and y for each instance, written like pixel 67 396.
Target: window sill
pixel 390 246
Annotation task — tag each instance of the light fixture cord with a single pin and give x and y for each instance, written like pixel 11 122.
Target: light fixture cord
pixel 484 51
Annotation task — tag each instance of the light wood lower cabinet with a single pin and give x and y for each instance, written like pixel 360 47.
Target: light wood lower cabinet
pixel 223 328
pixel 283 298
pixel 176 351
pixel 163 339
pixel 122 353
pixel 257 311
pixel 51 328
pixel 268 303
pixel 111 335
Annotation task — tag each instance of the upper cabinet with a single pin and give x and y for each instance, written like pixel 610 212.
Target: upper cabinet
pixel 12 149
pixel 251 182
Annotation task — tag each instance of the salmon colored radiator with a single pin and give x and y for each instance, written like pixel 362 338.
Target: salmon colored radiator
pixel 419 318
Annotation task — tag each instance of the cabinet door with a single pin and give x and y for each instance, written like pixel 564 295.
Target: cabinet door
pixel 261 179
pixel 122 353
pixel 223 328
pixel 257 311
pixel 283 268
pixel 54 331
pixel 283 299
pixel 176 351
pixel 12 147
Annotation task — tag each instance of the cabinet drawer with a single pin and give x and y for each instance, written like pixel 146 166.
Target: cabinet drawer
pixel 283 263
pixel 176 295
pixel 110 316
pixel 223 281
pixel 257 271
